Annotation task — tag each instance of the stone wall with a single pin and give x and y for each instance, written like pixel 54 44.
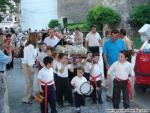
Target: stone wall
pixel 76 10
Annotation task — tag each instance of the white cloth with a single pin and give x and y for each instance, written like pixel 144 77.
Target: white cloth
pixel 46 75
pixel 121 70
pixel 77 82
pixel 40 57
pixel 63 74
pixel 93 39
pixel 51 41
pixel 55 62
pixel 29 55
pixel 87 67
pixel 96 71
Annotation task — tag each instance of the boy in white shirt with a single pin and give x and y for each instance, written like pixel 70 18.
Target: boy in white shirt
pixel 95 79
pixel 76 82
pixel 87 64
pixel 46 84
pixel 121 69
pixel 63 86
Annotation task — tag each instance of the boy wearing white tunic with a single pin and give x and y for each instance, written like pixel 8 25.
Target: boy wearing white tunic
pixel 121 69
pixel 76 82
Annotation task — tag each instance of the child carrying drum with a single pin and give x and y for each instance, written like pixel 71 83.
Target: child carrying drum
pixel 46 85
pixel 76 82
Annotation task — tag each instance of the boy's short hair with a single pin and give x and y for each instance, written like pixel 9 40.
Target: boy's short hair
pixel 80 68
pixel 61 55
pixel 126 53
pixel 47 60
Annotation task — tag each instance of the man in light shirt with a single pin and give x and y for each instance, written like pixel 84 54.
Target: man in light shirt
pixel 127 42
pixel 52 40
pixel 93 40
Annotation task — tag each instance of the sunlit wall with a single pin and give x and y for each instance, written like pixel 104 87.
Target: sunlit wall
pixel 36 14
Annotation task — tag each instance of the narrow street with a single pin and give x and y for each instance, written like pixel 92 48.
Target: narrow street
pixel 16 81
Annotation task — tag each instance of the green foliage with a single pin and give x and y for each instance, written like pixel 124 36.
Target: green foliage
pixel 53 23
pixel 5 4
pixel 136 42
pixel 141 15
pixel 82 26
pixel 100 15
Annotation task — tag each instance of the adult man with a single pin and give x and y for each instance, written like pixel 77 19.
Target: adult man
pixel 127 42
pixel 78 40
pixel 111 50
pixel 93 40
pixel 52 40
pixel 3 86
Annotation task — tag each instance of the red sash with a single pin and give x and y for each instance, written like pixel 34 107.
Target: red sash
pixel 94 79
pixel 46 92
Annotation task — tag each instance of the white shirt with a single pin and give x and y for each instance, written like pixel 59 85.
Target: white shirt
pixel 51 41
pixel 63 74
pixel 40 57
pixel 77 82
pixel 121 70
pixel 29 55
pixel 46 75
pixel 96 71
pixel 55 62
pixel 87 67
pixel 93 39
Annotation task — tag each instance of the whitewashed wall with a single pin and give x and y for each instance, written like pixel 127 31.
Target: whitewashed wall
pixel 36 14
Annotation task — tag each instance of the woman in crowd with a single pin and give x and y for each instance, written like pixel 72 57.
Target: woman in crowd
pixel 28 61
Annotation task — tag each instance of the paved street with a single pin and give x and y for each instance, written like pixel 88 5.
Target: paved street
pixel 15 81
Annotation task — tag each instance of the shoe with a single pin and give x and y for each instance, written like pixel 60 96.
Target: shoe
pixel 108 99
pixel 26 101
pixel 78 111
pixel 60 105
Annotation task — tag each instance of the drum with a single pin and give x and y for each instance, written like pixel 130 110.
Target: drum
pixel 86 88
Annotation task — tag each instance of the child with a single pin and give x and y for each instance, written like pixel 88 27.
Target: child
pixel 41 55
pixel 121 69
pixel 50 51
pixel 95 78
pixel 63 86
pixel 46 79
pixel 76 82
pixel 87 65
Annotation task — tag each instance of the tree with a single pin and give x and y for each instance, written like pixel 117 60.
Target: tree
pixel 140 15
pixel 100 15
pixel 53 23
pixel 7 5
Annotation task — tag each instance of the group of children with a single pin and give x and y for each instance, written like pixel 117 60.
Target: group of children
pixel 54 75
pixel 54 71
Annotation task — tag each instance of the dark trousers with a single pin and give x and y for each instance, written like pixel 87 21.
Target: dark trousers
pixel 51 99
pixel 79 100
pixel 87 75
pixel 94 49
pixel 120 86
pixel 63 89
pixel 96 95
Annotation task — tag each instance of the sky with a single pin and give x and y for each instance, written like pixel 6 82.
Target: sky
pixel 36 14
